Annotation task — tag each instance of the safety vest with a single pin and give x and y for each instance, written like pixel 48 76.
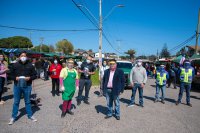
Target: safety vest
pixel 161 80
pixel 186 77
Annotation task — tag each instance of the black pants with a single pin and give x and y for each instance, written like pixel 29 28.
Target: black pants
pixel 46 76
pixel 2 82
pixel 84 83
pixel 172 80
pixel 55 86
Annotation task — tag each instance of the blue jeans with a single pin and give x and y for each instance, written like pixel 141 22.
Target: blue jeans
pixel 17 96
pixel 162 88
pixel 187 88
pixel 140 89
pixel 110 98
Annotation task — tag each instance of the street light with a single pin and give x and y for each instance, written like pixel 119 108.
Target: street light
pixel 100 24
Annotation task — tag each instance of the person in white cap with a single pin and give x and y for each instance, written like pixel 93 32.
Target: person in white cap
pixel 138 79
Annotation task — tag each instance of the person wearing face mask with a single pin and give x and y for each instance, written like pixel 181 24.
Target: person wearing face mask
pixel 186 74
pixel 87 69
pixel 23 73
pixel 161 80
pixel 138 79
pixel 3 75
pixel 69 83
pixel 101 73
pixel 54 70
pixel 113 85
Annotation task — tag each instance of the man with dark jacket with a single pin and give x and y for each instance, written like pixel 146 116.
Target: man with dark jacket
pixel 113 84
pixel 23 73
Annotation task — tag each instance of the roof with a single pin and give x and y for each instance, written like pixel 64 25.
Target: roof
pixel 193 47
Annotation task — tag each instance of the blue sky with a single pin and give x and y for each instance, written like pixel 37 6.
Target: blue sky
pixel 143 25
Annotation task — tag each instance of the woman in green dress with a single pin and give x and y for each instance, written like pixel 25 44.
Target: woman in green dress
pixel 68 83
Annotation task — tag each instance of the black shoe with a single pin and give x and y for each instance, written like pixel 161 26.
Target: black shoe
pixel 70 112
pixel 78 103
pixel 189 104
pixel 53 95
pixel 86 102
pixel 63 114
pixel 163 101
pixel 118 117
pixel 177 103
pixel 107 117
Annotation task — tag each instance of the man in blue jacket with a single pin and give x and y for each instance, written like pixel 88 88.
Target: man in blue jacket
pixel 113 84
pixel 186 76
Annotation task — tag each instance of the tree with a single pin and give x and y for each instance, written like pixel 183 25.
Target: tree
pixel 131 53
pixel 165 52
pixel 51 48
pixel 16 42
pixel 152 57
pixel 64 46
pixel 41 48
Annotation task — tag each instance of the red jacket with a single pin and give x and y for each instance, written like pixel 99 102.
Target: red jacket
pixel 58 68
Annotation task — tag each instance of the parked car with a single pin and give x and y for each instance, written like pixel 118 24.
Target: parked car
pixel 125 66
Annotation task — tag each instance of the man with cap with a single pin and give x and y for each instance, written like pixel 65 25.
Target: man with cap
pixel 138 79
pixel 113 84
pixel 101 74
pixel 161 81
pixel 186 74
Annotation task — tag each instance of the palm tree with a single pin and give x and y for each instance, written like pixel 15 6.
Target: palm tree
pixel 131 53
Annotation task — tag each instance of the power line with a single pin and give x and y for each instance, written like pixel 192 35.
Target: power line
pixel 183 43
pixel 96 25
pixel 46 30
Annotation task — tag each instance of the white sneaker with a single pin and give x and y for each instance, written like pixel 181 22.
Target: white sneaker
pixel 130 105
pixel 2 102
pixel 11 121
pixel 33 119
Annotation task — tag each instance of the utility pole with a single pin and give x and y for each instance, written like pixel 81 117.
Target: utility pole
pixel 119 45
pixel 41 39
pixel 30 38
pixel 197 33
pixel 100 33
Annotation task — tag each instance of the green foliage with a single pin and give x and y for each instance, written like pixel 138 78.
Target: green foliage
pixel 16 42
pixel 131 53
pixel 64 46
pixel 41 48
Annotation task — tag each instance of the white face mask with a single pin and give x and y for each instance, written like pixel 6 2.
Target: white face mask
pixel 55 61
pixel 88 61
pixel 139 63
pixel 23 59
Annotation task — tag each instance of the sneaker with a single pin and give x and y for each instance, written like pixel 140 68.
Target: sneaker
pixel 130 105
pixel 177 103
pixel 70 112
pixel 63 114
pixel 78 103
pixel 189 104
pixel 107 117
pixel 118 117
pixel 156 100
pixel 2 102
pixel 33 119
pixel 11 121
pixel 86 102
pixel 163 101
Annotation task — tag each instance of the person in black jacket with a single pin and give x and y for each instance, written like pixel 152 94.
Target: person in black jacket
pixel 23 73
pixel 113 85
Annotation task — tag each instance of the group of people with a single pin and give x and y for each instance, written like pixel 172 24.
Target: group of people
pixel 66 80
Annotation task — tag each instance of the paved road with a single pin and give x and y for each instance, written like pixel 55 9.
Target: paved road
pixel 153 118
